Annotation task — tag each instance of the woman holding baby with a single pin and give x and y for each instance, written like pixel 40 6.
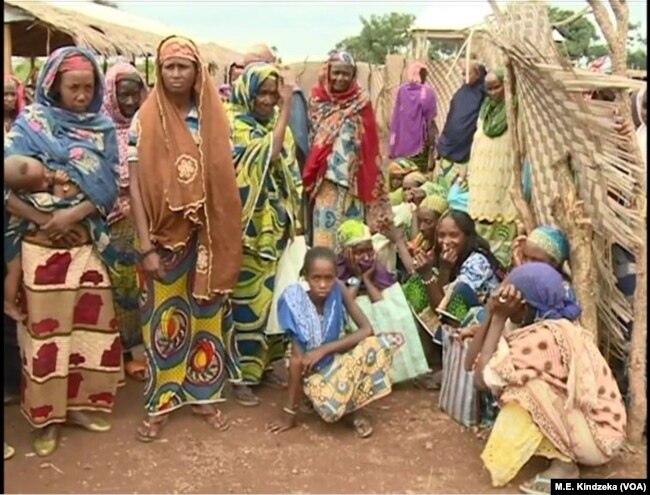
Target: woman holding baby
pixel 70 342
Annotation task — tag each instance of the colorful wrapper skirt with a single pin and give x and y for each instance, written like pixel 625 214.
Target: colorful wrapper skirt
pixel 126 293
pixel 189 344
pixel 333 205
pixel 501 236
pixel 252 299
pixel 70 346
pixel 352 380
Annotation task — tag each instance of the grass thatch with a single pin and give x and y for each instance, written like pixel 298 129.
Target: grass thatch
pixel 55 27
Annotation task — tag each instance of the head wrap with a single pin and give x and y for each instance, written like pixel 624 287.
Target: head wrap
pixel 343 57
pixel 543 288
pixel 177 47
pixel 500 72
pixel 401 166
pixel 20 92
pixel 493 112
pixel 436 200
pixel 432 188
pixel 552 241
pixel 259 53
pixel 413 72
pixel 352 232
pixel 245 89
pixel 188 185
pixel 74 62
pixel 133 76
pixel 418 177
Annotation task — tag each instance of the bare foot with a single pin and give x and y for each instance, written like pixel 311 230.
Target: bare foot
pixel 13 311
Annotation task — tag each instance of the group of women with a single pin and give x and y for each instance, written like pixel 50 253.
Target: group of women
pixel 187 205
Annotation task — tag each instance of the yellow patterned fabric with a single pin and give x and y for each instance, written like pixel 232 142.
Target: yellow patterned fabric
pixel 189 344
pixel 490 178
pixel 353 380
pixel 271 194
pixel 513 441
pixel 332 206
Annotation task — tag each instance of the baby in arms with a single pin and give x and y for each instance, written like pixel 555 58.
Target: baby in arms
pixel 26 175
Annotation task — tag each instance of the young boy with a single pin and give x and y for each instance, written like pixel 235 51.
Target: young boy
pixel 23 174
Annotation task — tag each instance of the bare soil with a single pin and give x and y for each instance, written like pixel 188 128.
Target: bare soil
pixel 415 449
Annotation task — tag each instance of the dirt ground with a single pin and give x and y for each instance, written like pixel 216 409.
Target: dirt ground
pixel 415 449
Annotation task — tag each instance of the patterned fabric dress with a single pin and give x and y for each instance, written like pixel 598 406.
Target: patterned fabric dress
pixel 271 193
pixel 189 344
pixel 490 178
pixel 70 345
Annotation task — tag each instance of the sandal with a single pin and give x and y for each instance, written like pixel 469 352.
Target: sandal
pixel 95 425
pixel 273 380
pixel 362 427
pixel 244 396
pixel 151 427
pixel 539 485
pixel 213 416
pixel 137 370
pixel 9 451
pixel 306 406
pixel 428 382
pixel 47 441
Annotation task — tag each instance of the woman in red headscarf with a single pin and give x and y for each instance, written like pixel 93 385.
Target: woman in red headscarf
pixel 342 173
pixel 14 100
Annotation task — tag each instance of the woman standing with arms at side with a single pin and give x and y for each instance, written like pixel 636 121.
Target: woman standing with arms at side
pixel 125 92
pixel 342 174
pixel 270 189
pixel 188 216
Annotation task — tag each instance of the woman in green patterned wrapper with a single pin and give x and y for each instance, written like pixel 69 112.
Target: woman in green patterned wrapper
pixel 490 173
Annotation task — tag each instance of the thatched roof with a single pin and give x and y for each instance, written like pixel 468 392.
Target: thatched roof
pixel 39 27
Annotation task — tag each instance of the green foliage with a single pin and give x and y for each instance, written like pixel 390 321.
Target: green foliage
pixel 578 34
pixel 380 36
pixel 441 49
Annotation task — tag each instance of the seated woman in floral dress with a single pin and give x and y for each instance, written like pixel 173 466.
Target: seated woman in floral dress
pixel 338 374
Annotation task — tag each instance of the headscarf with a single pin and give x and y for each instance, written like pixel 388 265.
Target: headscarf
pixel 299 318
pixel 259 53
pixel 121 71
pixel 401 167
pixel 543 289
pixel 187 187
pixel 84 146
pixel 352 232
pixel 328 112
pixel 415 107
pixel 552 241
pixel 493 112
pixel 413 72
pixel 270 192
pixel 418 177
pixel 436 201
pixel 455 141
pixel 20 92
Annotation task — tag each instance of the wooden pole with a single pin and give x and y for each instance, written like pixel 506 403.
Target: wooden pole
pixel 8 50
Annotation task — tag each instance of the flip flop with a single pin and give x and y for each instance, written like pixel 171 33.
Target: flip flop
pixel 275 381
pixel 537 481
pixel 150 428
pixel 362 427
pixel 9 451
pixel 245 396
pixel 213 417
pixel 95 425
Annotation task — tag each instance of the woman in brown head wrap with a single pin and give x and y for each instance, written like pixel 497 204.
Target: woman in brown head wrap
pixel 187 211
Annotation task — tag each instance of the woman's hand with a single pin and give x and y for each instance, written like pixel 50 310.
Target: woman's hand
pixel 311 359
pixel 369 274
pixel 448 258
pixel 286 92
pixel 152 265
pixel 285 422
pixel 467 332
pixel 423 263
pixel 507 301
pixel 392 233
pixel 61 223
pixel 518 250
